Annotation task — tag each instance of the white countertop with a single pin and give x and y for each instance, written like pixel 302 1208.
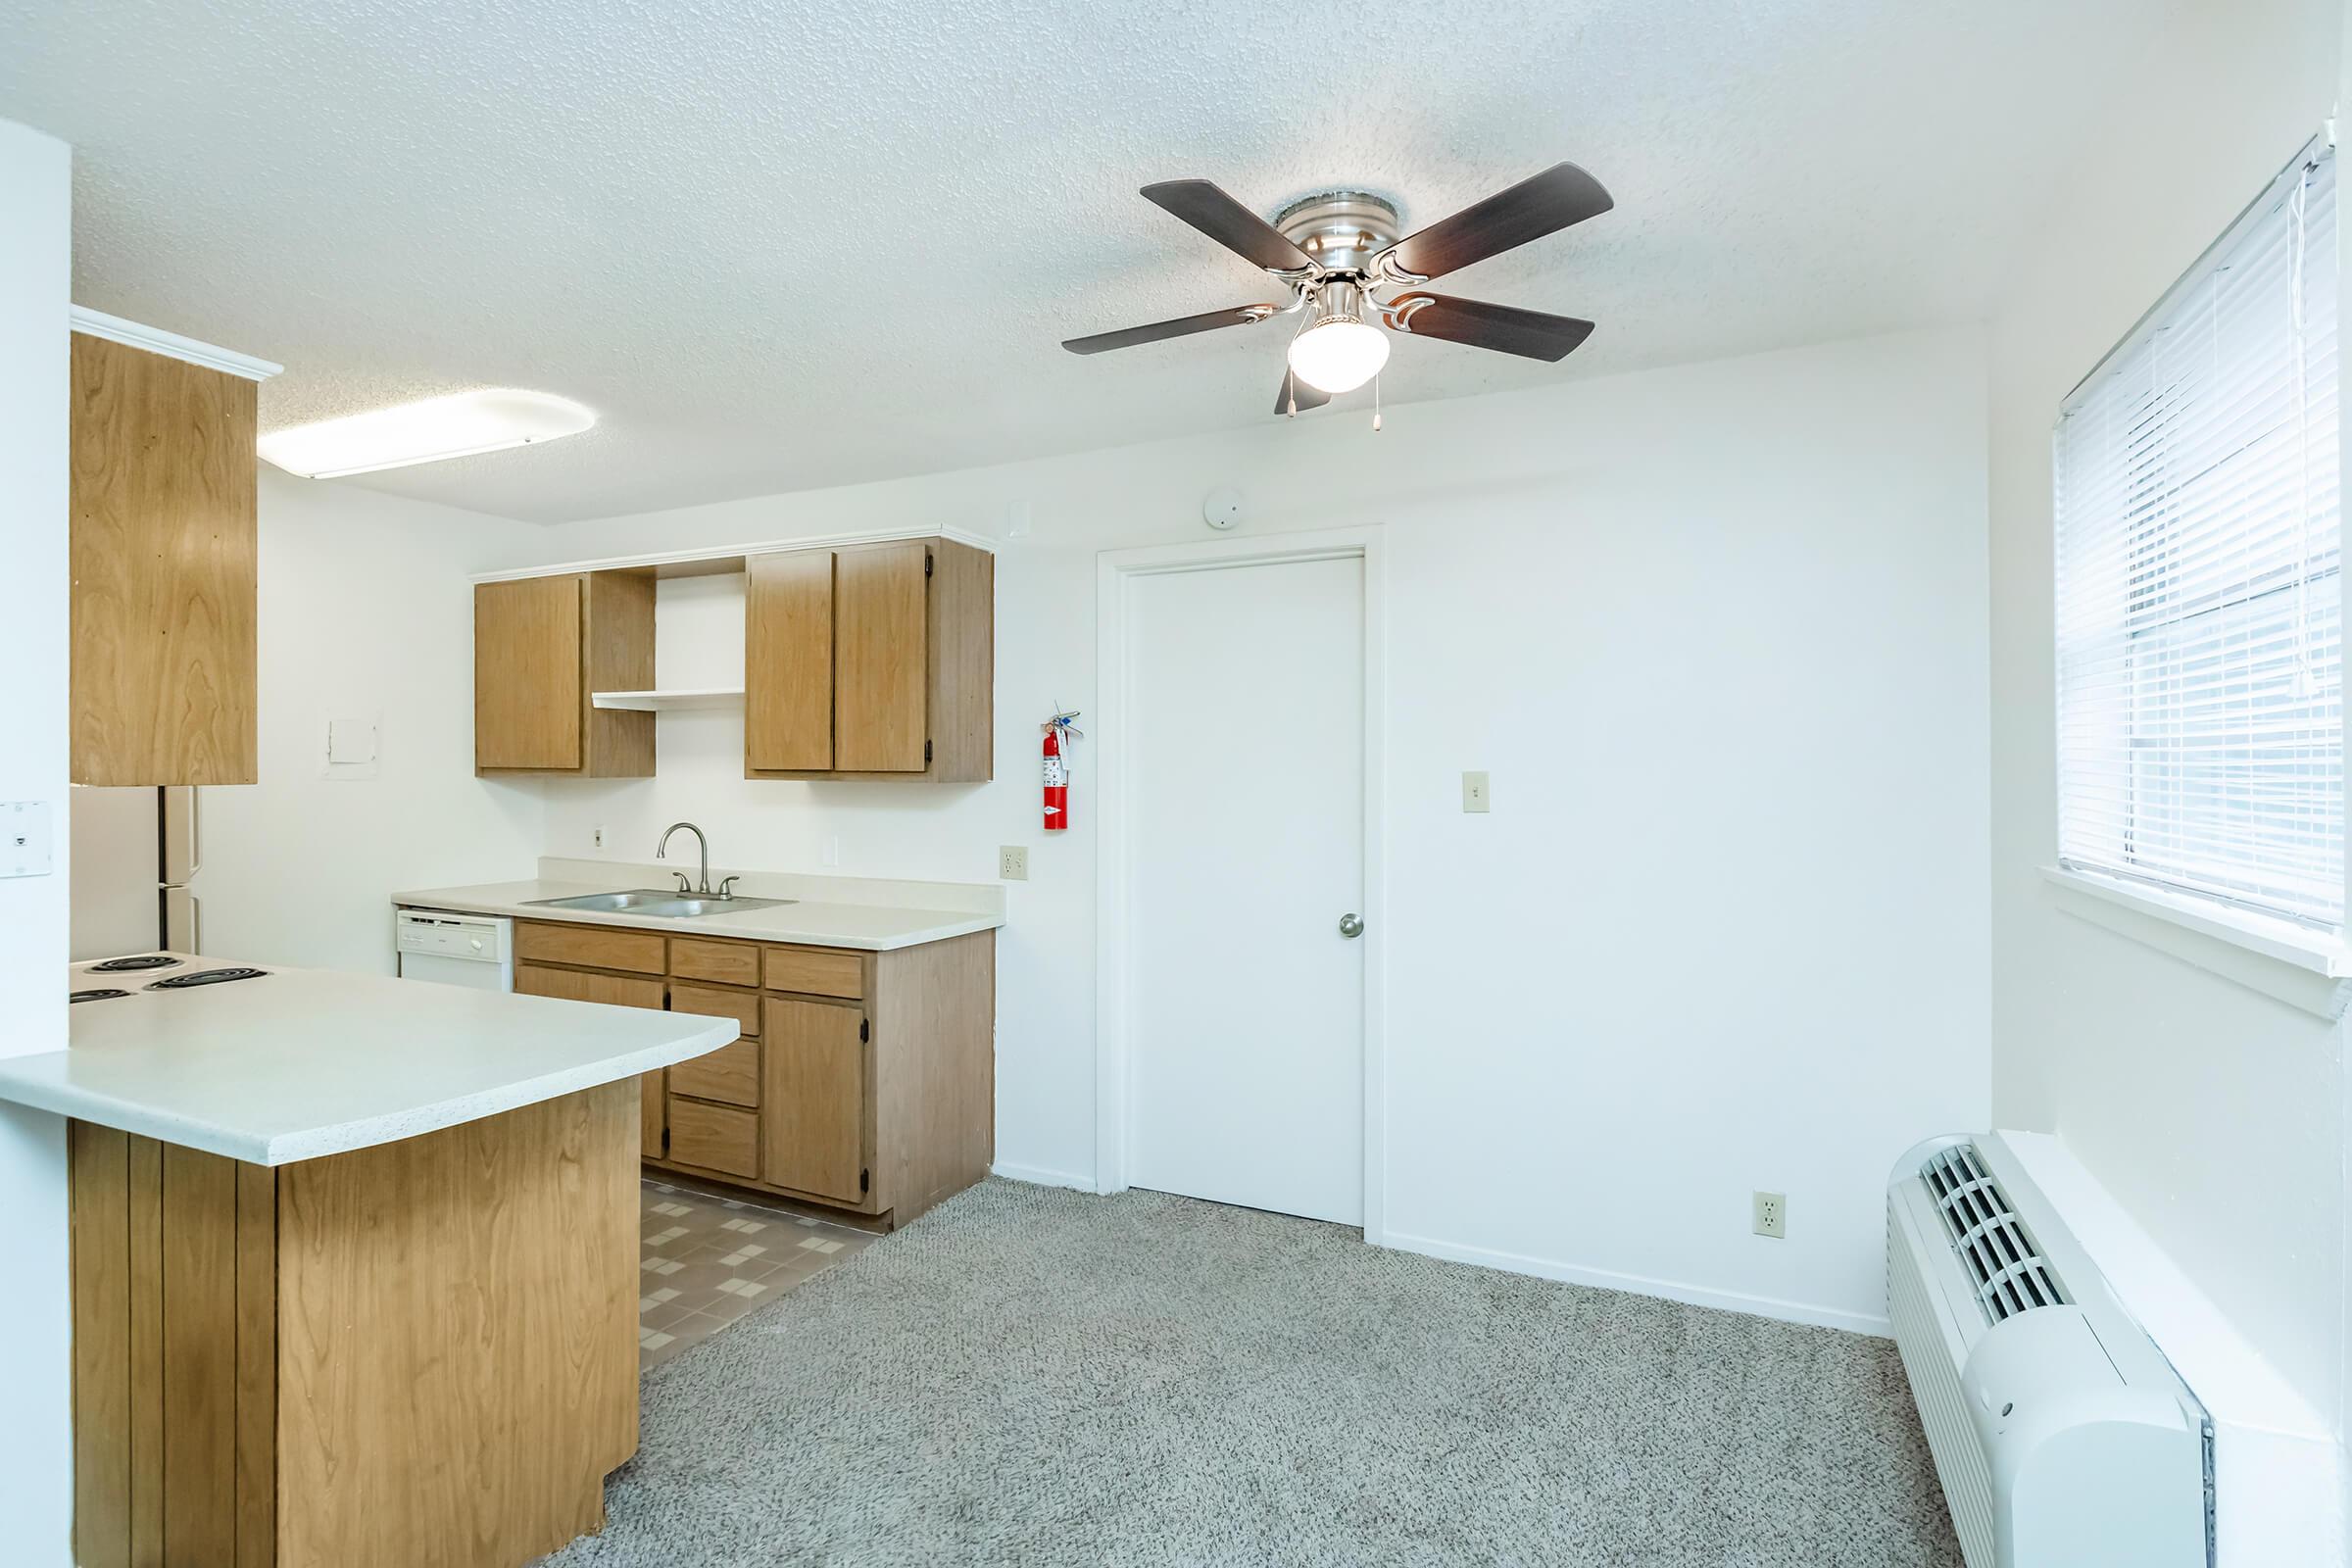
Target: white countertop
pixel 814 922
pixel 304 1062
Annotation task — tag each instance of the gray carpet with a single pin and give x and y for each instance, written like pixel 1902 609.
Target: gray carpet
pixel 1043 1377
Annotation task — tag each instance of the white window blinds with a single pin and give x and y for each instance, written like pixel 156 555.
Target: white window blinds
pixel 2199 616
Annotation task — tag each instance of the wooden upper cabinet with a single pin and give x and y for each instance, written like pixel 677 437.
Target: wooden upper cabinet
pixel 526 673
pixel 881 597
pixel 870 661
pixel 162 562
pixel 787 661
pixel 541 647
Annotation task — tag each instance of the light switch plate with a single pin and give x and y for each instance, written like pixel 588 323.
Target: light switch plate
pixel 1013 862
pixel 25 846
pixel 1475 795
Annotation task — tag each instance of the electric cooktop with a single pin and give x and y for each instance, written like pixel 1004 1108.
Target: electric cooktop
pixel 192 974
pixel 206 977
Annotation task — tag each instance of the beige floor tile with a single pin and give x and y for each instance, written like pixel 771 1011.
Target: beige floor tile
pixel 661 1316
pixel 708 1263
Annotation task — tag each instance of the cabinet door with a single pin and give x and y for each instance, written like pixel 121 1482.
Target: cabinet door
pixel 162 548
pixel 813 1101
pixel 881 651
pixel 527 696
pixel 788 660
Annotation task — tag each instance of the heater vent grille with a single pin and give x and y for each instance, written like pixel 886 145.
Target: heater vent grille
pixel 2007 1269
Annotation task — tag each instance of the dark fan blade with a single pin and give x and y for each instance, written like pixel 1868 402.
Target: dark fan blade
pixel 1539 205
pixel 1307 397
pixel 1530 334
pixel 1228 223
pixel 1182 326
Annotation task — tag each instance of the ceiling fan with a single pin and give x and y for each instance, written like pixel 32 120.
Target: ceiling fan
pixel 1332 251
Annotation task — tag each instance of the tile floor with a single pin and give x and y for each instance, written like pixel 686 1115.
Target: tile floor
pixel 708 1262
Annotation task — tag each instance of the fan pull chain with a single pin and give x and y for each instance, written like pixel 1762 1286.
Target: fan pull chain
pixel 1375 403
pixel 1290 382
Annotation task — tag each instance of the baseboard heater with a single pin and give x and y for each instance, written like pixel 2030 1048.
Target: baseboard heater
pixel 2061 1434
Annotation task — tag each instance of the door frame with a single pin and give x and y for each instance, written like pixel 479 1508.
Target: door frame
pixel 1116 573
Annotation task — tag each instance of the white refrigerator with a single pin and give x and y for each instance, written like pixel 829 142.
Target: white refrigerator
pixel 137 854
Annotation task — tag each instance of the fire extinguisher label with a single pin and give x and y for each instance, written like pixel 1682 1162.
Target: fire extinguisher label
pixel 1056 775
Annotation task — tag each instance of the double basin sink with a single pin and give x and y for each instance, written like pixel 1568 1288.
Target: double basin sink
pixel 659 902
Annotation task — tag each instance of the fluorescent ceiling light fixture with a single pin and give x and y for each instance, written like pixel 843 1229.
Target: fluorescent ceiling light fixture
pixel 458 425
pixel 1339 354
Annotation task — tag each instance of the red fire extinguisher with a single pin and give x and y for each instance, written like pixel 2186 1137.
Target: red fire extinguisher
pixel 1058 733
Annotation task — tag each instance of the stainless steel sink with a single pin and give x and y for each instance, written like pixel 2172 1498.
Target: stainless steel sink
pixel 660 902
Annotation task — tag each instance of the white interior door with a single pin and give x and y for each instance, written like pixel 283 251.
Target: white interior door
pixel 1246 763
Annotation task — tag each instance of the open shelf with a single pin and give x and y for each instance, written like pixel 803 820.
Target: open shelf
pixel 669 701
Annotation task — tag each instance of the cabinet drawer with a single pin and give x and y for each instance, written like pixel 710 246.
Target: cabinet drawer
pixel 730 1073
pixel 617 990
pixel 818 971
pixel 741 1005
pixel 713 1137
pixel 593 947
pixel 729 964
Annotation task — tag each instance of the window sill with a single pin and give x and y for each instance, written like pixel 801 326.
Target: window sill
pixel 2302 967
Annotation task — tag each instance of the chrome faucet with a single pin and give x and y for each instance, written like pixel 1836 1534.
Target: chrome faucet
pixel 662 853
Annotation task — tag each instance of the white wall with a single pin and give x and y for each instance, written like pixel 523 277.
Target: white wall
pixel 364 612
pixel 35 251
pixel 2215 1114
pixel 1719 633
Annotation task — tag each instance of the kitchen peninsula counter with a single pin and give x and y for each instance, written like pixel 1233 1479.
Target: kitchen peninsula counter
pixel 354 1265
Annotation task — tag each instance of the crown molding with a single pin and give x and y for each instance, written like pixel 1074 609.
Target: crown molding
pixel 155 340
pixel 731 558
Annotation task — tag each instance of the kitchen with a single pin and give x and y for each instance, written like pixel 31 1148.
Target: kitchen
pixel 739 877
pixel 822 1041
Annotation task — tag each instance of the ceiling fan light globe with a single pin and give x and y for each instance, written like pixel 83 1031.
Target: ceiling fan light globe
pixel 1339 354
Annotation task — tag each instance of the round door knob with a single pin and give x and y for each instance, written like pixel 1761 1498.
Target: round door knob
pixel 1351 926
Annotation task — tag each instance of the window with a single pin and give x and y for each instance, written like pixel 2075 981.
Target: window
pixel 2199 613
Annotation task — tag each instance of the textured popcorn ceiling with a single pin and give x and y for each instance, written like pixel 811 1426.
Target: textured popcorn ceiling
pixel 781 246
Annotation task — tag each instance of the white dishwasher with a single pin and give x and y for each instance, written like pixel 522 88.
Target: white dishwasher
pixel 455 950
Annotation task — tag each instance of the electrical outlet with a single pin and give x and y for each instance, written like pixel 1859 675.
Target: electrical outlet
pixel 1474 792
pixel 832 849
pixel 1013 862
pixel 1772 1214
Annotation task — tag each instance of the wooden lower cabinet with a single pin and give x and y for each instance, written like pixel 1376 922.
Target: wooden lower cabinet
pixel 863 1081
pixel 419 1354
pixel 815 1133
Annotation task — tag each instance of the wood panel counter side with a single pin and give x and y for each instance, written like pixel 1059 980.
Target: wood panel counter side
pixel 417 1355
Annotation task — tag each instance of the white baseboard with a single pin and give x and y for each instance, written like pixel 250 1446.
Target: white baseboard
pixel 1039 1176
pixel 1828 1317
